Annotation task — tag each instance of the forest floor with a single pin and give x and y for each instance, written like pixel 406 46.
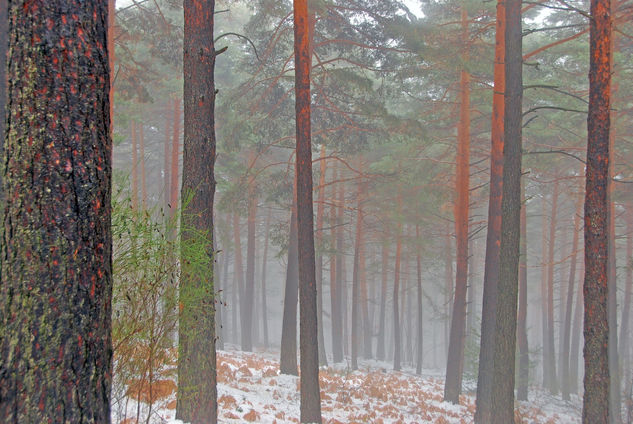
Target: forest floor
pixel 250 389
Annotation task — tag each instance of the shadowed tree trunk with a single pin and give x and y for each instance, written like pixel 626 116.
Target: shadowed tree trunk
pixel 503 377
pixel 491 266
pixel 564 372
pixel 197 394
pixel 380 348
pixel 453 385
pixel 596 324
pixel 522 339
pixel 56 250
pixel 288 358
pixel 308 321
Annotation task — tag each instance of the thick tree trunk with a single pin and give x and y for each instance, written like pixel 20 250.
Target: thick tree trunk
pixel 197 394
pixel 596 323
pixel 506 313
pixel 308 322
pixel 566 335
pixel 522 338
pixel 453 385
pixel 319 259
pixel 288 358
pixel 380 348
pixel 56 250
pixel 491 266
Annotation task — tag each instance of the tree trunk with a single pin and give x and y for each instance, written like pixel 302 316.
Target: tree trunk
pixel 522 339
pixel 453 384
pixel 506 313
pixel 175 161
pixel 56 254
pixel 396 288
pixel 337 348
pixel 264 261
pixel 550 353
pixel 626 304
pixel 319 258
pixel 380 348
pixel 134 166
pixel 288 358
pixel 308 322
pixel 238 292
pixel 575 335
pixel 197 394
pixel 596 323
pixel 246 302
pixel 566 335
pixel 491 266
pixel 419 350
pixel 337 313
pixel 367 327
pixel 166 168
pixel 358 246
pixel 141 144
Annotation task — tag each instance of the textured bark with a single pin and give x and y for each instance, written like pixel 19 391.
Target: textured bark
pixel 550 348
pixel 502 395
pixel 4 44
pixel 491 266
pixel 247 300
pixel 595 290
pixel 319 259
pixel 453 384
pixel 380 348
pixel 56 249
pixel 396 287
pixel 197 394
pixel 288 354
pixel 522 338
pixel 566 335
pixel 420 335
pixel 308 343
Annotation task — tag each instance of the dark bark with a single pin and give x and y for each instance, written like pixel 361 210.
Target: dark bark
pixel 288 355
pixel 197 394
pixel 56 249
pixel 566 336
pixel 453 384
pixel 522 339
pixel 595 289
pixel 308 320
pixel 491 266
pixel 502 395
pixel 4 44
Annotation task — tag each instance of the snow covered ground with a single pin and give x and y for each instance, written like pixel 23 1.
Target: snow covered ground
pixel 250 389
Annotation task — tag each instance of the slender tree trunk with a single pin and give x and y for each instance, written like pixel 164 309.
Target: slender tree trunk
pixel 522 339
pixel 238 271
pixel 544 269
pixel 596 323
pixel 566 335
pixel 338 346
pixel 396 288
pixel 626 304
pixel 264 261
pixel 288 359
pixel 247 301
pixel 491 266
pixel 56 250
pixel 358 246
pixel 319 258
pixel 506 313
pixel 175 160
pixel 310 395
pixel 420 338
pixel 550 352
pixel 141 143
pixel 367 348
pixel 380 348
pixel 166 167
pixel 453 385
pixel 448 284
pixel 197 395
pixel 337 335
pixel 575 335
pixel 134 166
